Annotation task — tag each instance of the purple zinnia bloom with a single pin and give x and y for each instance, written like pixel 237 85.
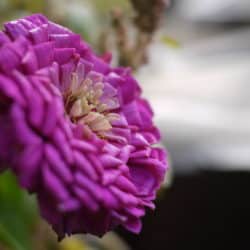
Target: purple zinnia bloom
pixel 75 131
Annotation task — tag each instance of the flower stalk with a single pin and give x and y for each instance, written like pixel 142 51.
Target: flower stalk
pixel 133 50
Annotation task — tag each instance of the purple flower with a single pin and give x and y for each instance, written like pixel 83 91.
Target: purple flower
pixel 75 131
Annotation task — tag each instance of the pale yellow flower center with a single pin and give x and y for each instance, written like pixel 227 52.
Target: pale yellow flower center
pixel 84 105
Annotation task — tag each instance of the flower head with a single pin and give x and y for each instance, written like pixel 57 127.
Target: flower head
pixel 75 131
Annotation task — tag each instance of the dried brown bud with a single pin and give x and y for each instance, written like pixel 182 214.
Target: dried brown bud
pixel 149 13
pixel 133 50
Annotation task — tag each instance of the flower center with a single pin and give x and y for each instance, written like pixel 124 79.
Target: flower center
pixel 89 102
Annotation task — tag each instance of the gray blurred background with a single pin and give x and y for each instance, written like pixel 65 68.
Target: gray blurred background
pixel 201 90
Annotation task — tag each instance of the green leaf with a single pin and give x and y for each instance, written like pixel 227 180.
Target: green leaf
pixel 18 214
pixel 8 239
pixel 107 5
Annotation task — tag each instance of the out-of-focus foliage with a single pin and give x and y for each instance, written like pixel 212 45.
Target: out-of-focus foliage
pixel 28 5
pixel 18 214
pixel 73 243
pixel 170 42
pixel 105 6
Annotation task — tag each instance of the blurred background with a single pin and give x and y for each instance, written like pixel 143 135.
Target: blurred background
pixel 197 77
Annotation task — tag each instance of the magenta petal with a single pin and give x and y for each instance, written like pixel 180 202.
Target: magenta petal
pixel 126 198
pixel 144 180
pixel 89 185
pixel 62 56
pixel 6 65
pixel 23 83
pixel 61 142
pixel 87 199
pixel 3 38
pixel 109 161
pixel 36 114
pixel 110 176
pixel 30 160
pixel 22 130
pixel 29 62
pixel 83 164
pixel 37 19
pixel 53 184
pixel 134 225
pixel 125 184
pixel 44 53
pixel 70 205
pixel 40 34
pixel 84 146
pixel 132 114
pixel 15 29
pixel 109 200
pixel 130 90
pixel 57 164
pixel 136 211
pixel 57 29
pixel 65 40
pixel 51 118
pixel 10 89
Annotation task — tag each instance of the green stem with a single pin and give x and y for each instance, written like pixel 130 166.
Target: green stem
pixel 9 239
